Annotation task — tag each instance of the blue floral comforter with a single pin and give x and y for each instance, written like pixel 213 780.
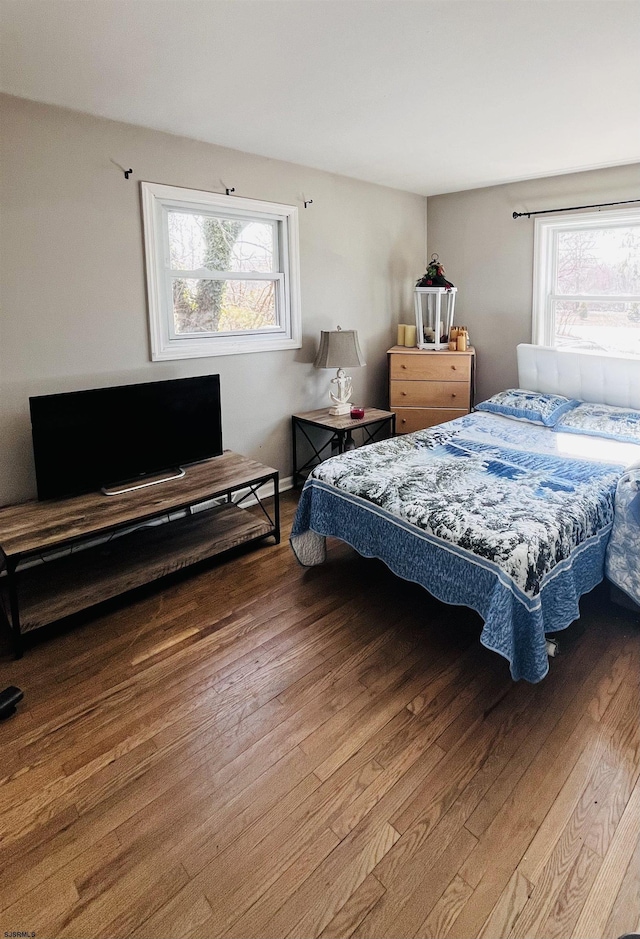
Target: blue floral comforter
pixel 623 552
pixel 483 512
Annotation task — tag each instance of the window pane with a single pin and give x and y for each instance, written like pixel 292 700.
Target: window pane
pixel 221 244
pixel 222 306
pixel 604 327
pixel 603 262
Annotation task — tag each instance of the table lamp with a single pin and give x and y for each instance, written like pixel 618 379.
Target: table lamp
pixel 339 348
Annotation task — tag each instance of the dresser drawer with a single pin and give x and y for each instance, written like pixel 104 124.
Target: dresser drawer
pixel 433 366
pixel 409 420
pixel 429 394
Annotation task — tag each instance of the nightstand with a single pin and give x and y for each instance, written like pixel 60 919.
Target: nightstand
pixel 428 387
pixel 340 435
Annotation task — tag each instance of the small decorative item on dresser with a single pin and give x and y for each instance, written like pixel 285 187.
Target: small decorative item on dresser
pixel 357 413
pixel 401 329
pixel 435 299
pixel 410 336
pixel 434 276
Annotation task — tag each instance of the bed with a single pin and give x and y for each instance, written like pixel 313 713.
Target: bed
pixel 510 516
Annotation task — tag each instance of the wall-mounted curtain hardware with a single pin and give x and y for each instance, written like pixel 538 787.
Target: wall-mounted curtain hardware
pixel 573 208
pixel 127 173
pixel 229 189
pixel 308 202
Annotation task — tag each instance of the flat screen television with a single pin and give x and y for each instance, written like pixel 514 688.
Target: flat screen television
pixel 85 440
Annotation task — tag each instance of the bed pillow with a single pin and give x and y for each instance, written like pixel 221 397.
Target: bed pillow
pixel 532 406
pixel 602 420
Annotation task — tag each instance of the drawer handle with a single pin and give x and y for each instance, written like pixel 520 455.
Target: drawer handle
pixel 453 368
pixel 403 365
pixel 404 420
pixel 404 394
pixel 453 394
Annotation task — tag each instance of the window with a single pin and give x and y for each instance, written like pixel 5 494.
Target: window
pixel 222 273
pixel 587 282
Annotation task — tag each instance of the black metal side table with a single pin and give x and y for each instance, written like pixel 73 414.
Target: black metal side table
pixel 340 430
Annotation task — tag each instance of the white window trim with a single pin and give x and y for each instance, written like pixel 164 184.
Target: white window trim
pixel 156 199
pixel 545 231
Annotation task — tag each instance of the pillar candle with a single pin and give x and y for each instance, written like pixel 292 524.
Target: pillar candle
pixel 410 336
pixel 401 329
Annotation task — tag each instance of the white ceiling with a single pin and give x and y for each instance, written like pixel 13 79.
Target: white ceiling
pixel 421 95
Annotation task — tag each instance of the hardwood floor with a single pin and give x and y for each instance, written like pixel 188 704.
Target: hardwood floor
pixel 264 751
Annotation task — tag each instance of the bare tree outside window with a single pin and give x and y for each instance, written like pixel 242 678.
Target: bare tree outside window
pixel 209 244
pixel 593 294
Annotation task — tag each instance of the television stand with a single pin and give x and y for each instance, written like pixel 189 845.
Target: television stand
pixel 122 549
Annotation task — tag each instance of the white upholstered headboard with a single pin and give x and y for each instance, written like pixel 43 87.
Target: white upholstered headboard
pixel 602 379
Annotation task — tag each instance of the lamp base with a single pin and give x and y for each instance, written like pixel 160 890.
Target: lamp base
pixel 339 410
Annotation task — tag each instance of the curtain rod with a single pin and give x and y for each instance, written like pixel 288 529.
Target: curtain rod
pixel 573 208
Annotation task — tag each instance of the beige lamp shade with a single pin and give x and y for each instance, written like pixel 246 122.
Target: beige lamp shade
pixel 339 348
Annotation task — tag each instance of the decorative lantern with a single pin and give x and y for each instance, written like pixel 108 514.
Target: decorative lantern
pixel 435 307
pixel 435 300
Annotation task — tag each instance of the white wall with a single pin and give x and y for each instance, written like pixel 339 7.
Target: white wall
pixel 489 256
pixel 73 289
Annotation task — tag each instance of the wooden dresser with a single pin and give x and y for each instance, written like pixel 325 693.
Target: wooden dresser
pixel 427 388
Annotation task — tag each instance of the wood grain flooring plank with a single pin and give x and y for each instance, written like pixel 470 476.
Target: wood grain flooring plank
pixel 39 914
pixel 192 807
pixel 313 906
pixel 599 903
pixel 349 917
pixel 608 689
pixel 623 752
pixel 549 705
pixel 254 921
pixel 187 912
pixel 573 864
pixel 586 784
pixel 448 780
pixel 570 899
pixel 506 911
pixel 135 900
pixel 442 709
pixel 625 913
pixel 369 712
pixel 48 904
pixel 403 909
pixel 446 911
pixel 502 845
pixel 30 861
pixel 263 864
pixel 390 774
pixel 224 710
pixel 355 658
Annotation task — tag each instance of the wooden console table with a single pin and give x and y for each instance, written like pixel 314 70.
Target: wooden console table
pixel 36 594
